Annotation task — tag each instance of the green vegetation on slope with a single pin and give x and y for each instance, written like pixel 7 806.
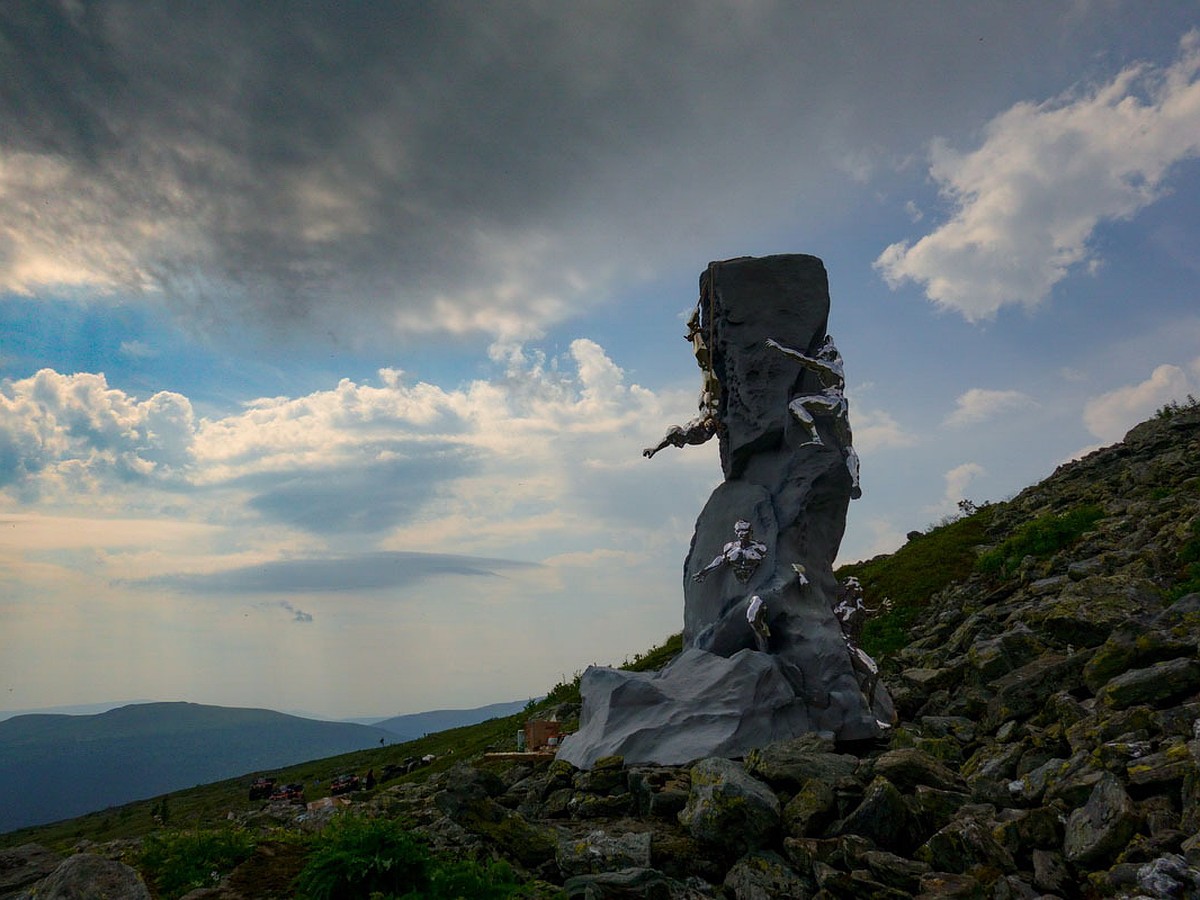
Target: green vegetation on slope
pixel 1189 562
pixel 908 577
pixel 1039 538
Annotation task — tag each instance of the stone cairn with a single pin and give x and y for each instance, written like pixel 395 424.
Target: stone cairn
pixel 765 657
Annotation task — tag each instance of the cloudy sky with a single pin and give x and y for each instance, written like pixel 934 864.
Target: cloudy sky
pixel 330 334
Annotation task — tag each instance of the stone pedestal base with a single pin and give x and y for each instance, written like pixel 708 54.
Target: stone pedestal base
pixel 705 705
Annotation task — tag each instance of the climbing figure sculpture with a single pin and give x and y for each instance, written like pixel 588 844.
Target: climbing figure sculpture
pixel 742 555
pixel 693 431
pixel 852 613
pixel 756 615
pixel 705 424
pixel 830 402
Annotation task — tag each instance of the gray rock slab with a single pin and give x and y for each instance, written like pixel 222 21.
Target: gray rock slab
pixel 728 809
pixel 602 851
pixel 23 865
pixel 86 876
pixel 706 705
pixel 1102 826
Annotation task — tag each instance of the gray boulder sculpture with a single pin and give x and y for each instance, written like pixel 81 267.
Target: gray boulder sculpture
pixel 765 657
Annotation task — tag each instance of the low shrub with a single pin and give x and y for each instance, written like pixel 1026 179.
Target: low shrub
pixel 1039 538
pixel 358 857
pixel 1189 562
pixel 177 862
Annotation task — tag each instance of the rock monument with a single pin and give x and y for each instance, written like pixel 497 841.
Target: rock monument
pixel 765 657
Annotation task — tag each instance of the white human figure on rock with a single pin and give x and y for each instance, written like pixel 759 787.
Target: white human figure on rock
pixel 756 615
pixel 831 402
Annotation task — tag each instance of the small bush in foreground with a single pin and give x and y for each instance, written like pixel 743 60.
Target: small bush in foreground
pixel 355 857
pixel 360 857
pixel 178 862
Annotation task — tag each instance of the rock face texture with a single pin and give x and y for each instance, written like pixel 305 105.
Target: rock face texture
pixel 733 690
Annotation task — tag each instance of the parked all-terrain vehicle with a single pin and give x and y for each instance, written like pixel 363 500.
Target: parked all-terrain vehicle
pixel 261 788
pixel 291 793
pixel 344 784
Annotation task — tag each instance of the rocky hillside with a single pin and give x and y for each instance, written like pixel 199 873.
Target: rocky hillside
pixel 1048 743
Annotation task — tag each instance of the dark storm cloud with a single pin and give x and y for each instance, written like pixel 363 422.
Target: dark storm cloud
pixel 361 497
pixel 359 572
pixel 465 166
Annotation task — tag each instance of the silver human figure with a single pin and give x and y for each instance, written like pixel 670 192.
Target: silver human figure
pixel 852 612
pixel 742 555
pixel 850 608
pixel 756 615
pixel 831 402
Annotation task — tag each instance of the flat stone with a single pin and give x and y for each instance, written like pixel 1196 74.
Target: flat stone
pixel 1099 829
pixel 602 851
pixel 763 874
pixel 24 865
pixel 908 767
pixel 1158 685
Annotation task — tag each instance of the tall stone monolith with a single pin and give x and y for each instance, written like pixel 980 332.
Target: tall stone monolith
pixel 764 658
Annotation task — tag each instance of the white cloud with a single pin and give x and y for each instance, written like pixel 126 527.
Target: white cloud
pixel 875 429
pixel 546 453
pixel 958 479
pixel 137 350
pixel 979 404
pixel 883 537
pixel 1030 197
pixel 1110 415
pixel 73 433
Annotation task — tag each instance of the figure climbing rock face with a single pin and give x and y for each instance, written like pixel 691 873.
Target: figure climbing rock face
pixel 756 615
pixel 705 424
pixel 742 555
pixel 829 403
pixel 694 431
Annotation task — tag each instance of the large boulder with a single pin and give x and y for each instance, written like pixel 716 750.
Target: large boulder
pixel 728 810
pixel 86 876
pixel 1103 826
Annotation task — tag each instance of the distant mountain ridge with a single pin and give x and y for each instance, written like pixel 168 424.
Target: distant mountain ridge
pixel 414 725
pixel 58 766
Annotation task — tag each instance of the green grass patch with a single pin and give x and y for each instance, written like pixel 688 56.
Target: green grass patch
pixel 177 862
pixel 911 575
pixel 656 657
pixel 567 690
pixel 1039 538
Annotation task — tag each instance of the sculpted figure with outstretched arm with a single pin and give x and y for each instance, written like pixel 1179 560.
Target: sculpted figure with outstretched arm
pixel 830 402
